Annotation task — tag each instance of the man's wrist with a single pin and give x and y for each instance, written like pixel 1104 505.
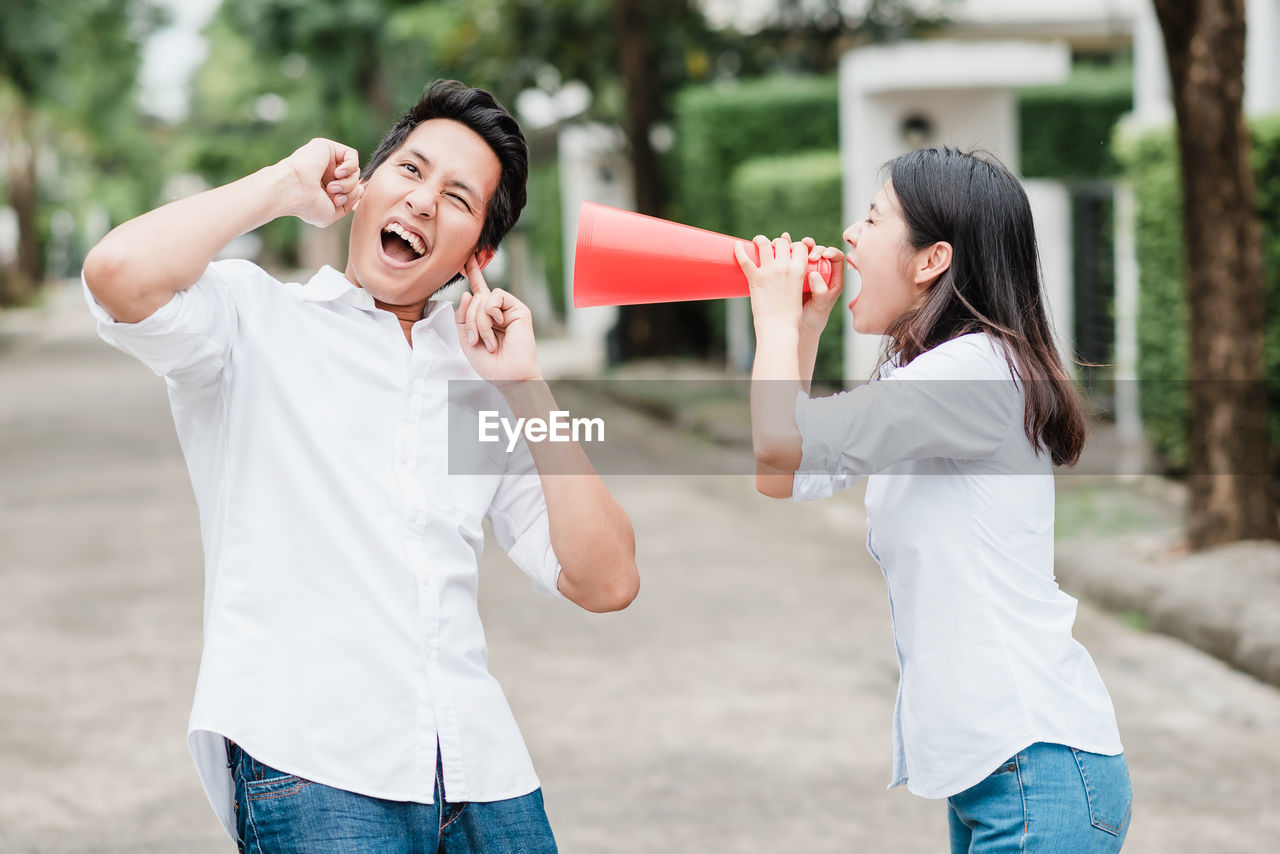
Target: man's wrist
pixel 282 189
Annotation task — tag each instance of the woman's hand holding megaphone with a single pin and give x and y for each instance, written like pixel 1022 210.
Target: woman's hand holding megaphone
pixel 777 283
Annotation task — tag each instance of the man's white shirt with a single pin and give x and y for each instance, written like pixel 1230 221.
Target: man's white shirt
pixel 341 631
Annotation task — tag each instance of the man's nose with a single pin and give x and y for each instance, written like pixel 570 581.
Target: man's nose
pixel 422 201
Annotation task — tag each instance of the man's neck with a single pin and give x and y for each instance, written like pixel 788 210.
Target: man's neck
pixel 408 315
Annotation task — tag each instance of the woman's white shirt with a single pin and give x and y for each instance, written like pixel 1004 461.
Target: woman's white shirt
pixel 960 516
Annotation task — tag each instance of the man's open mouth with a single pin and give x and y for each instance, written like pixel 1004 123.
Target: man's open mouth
pixel 402 244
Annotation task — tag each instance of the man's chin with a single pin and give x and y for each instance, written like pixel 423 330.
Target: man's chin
pixel 403 294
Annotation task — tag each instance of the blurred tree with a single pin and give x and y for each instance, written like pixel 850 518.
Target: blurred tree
pixel 68 70
pixel 638 27
pixel 344 67
pixel 281 71
pixel 1231 491
pixel 810 37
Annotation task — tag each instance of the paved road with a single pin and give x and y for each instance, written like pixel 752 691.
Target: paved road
pixel 741 705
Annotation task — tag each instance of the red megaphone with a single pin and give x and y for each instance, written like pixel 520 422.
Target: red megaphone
pixel 626 258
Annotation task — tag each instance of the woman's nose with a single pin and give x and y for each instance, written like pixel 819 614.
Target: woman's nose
pixel 852 233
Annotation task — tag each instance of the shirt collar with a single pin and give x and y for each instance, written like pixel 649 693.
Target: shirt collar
pixel 329 285
pixel 438 314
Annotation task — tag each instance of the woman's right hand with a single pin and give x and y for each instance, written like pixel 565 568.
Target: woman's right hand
pixel 776 283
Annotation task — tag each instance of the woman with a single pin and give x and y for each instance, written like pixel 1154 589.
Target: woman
pixel 999 709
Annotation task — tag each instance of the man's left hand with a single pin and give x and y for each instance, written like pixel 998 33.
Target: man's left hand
pixel 496 331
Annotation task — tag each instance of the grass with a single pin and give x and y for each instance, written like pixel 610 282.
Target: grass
pixel 1103 507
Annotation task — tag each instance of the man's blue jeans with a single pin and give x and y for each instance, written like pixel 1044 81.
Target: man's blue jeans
pixel 1048 799
pixel 278 813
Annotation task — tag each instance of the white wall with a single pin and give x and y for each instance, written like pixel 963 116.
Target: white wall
pixel 593 168
pixel 1063 16
pixel 1152 104
pixel 1262 57
pixel 1051 211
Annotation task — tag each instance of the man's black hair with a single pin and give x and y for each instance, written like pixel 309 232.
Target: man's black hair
pixel 482 113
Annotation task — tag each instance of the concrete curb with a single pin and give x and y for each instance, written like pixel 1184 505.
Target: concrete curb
pixel 1224 601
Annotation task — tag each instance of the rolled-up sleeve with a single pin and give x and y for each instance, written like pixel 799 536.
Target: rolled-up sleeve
pixel 814 479
pixel 951 402
pixel 187 340
pixel 518 516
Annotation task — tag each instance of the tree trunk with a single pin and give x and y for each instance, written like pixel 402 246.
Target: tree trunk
pixel 636 58
pixel 1231 492
pixel 664 328
pixel 22 276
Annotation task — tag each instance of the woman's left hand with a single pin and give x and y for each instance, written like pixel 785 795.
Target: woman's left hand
pixel 777 282
pixel 822 295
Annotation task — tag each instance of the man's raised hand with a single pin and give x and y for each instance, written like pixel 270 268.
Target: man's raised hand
pixel 496 331
pixel 327 176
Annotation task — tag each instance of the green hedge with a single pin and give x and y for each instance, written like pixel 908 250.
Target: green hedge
pixel 717 128
pixel 799 194
pixel 1066 130
pixel 1150 161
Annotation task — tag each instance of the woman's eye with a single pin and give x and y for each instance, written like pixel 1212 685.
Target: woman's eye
pixel 460 200
pixel 411 169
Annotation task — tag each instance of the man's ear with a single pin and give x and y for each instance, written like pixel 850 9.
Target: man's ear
pixel 931 262
pixel 484 256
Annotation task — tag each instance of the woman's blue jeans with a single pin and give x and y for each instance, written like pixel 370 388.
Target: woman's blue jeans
pixel 279 813
pixel 1048 799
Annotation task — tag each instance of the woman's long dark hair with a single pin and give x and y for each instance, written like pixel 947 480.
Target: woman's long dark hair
pixel 993 285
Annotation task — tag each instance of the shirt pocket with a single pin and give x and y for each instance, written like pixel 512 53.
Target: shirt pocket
pixel 273 788
pixel 466 497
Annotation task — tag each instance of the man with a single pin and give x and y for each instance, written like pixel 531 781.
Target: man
pixel 343 701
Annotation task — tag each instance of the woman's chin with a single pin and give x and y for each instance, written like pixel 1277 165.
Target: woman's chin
pixel 866 328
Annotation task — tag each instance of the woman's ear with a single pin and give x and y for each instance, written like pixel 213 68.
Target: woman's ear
pixel 930 263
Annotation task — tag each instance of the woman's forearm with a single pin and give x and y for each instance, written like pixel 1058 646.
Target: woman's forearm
pixel 775 379
pixel 807 354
